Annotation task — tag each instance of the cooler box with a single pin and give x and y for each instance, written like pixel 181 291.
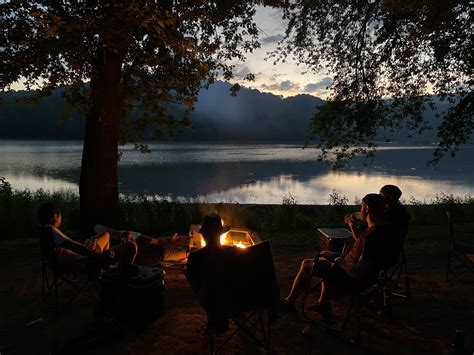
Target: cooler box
pixel 135 294
pixel 333 239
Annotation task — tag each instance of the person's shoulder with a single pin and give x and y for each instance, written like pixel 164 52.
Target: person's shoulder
pixel 57 232
pixel 399 209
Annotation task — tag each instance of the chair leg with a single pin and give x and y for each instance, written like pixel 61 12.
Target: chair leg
pixel 407 282
pixel 357 337
pixel 210 339
pixel 55 302
pixel 268 330
pixel 349 314
pixel 387 301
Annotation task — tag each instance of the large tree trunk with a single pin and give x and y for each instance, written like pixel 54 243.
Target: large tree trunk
pixel 98 187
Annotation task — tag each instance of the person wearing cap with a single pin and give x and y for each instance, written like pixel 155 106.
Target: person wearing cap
pixel 202 267
pixel 370 253
pixel 397 213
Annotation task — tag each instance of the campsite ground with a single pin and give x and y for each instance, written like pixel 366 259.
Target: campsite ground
pixel 424 324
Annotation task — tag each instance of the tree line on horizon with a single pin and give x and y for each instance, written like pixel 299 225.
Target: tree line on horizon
pixel 249 116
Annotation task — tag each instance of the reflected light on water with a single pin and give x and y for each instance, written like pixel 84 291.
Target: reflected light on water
pixel 34 183
pixel 252 173
pixel 317 190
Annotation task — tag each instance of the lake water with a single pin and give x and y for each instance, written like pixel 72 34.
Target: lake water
pixel 242 173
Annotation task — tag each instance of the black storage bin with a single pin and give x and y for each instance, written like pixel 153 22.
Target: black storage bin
pixel 134 294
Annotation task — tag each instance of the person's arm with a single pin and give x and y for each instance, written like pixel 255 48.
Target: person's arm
pixel 63 241
pixel 356 233
pixel 77 248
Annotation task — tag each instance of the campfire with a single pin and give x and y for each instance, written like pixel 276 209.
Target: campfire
pixel 238 237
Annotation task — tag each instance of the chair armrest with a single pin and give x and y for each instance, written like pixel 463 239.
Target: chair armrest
pixel 316 258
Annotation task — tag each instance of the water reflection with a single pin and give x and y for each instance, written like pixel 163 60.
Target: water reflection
pixel 33 183
pixel 352 185
pixel 240 173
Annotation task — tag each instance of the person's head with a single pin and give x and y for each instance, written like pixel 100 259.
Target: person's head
pixel 390 193
pixel 211 229
pixel 48 213
pixel 373 208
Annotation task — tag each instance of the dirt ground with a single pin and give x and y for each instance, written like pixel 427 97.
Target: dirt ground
pixel 424 324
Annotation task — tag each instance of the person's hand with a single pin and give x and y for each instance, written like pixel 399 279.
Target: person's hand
pixel 347 218
pixel 127 237
pixel 178 241
pixel 92 244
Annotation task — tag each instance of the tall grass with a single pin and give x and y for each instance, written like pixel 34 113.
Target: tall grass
pixel 289 222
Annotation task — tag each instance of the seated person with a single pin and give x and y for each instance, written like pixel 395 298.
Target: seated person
pixel 360 266
pixel 151 249
pixel 205 263
pixel 69 252
pixel 359 224
pixel 397 213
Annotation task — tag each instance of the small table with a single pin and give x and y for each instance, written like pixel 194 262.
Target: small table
pixel 334 239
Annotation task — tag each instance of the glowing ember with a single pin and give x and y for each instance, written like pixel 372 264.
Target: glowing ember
pixel 223 239
pixel 240 245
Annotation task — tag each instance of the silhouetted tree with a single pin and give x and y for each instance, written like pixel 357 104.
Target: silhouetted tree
pixel 387 58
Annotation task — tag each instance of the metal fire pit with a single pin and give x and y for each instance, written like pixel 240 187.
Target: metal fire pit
pixel 239 237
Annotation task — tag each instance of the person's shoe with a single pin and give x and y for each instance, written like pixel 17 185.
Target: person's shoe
pixel 322 308
pixel 287 306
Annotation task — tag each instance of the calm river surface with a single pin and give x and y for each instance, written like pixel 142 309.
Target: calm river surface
pixel 243 173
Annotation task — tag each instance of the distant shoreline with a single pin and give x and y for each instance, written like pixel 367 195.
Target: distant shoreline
pixel 230 142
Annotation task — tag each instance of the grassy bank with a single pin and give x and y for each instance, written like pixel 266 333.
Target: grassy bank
pixel 286 224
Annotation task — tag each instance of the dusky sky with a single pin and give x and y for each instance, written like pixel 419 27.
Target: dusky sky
pixel 285 79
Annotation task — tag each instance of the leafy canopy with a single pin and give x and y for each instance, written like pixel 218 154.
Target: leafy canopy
pixel 387 59
pixel 170 49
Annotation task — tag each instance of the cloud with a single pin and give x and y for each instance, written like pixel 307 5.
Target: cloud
pixel 275 76
pixel 282 86
pixel 272 38
pixel 241 70
pixel 322 84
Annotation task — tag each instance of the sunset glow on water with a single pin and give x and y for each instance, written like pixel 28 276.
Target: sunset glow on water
pixel 251 173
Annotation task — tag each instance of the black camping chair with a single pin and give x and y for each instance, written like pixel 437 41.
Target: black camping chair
pixel 242 286
pixel 377 292
pixel 460 248
pixel 53 278
pixel 394 275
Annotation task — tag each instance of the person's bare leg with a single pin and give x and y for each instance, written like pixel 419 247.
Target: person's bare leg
pixel 113 233
pixel 103 241
pixel 174 255
pixel 301 281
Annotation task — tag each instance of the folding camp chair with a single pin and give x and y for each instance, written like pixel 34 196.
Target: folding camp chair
pixel 378 293
pixel 460 248
pixel 394 275
pixel 53 278
pixel 244 288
